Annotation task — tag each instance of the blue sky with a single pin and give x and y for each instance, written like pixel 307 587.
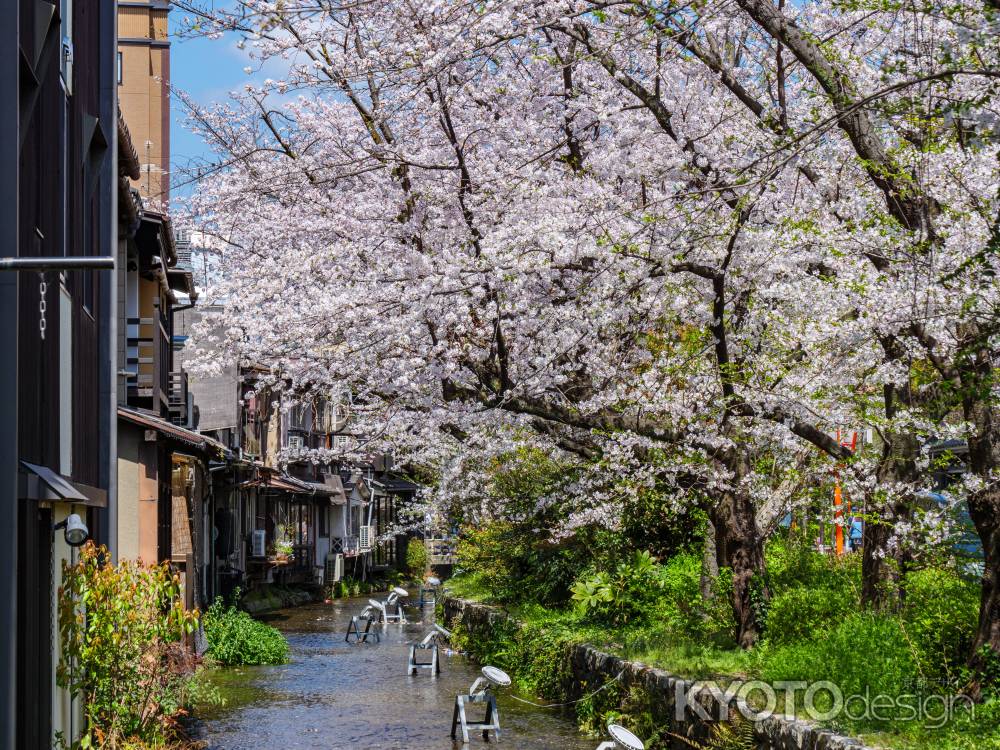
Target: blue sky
pixel 207 70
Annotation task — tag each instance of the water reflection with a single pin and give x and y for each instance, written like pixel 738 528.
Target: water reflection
pixel 334 695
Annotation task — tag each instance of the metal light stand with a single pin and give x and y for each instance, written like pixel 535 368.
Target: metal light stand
pixel 354 627
pixel 621 739
pixel 429 591
pixel 429 643
pixel 480 692
pixel 394 601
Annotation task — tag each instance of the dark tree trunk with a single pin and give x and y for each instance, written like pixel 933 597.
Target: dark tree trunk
pixel 984 508
pixel 740 546
pixel 977 375
pixel 881 567
pixel 709 564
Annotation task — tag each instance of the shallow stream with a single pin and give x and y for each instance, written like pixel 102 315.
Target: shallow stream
pixel 335 696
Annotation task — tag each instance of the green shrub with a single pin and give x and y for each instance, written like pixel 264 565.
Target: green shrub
pixel 626 594
pixel 863 653
pixel 417 559
pixel 120 629
pixel 801 613
pixel 235 638
pixel 940 615
pixel 520 565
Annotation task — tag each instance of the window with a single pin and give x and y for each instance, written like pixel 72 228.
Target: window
pixel 119 68
pixel 322 522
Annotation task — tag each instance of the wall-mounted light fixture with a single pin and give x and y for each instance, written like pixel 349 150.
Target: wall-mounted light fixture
pixel 75 531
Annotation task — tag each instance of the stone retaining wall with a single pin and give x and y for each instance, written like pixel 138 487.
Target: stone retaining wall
pixel 592 667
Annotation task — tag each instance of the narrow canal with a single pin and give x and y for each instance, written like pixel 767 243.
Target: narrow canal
pixel 334 695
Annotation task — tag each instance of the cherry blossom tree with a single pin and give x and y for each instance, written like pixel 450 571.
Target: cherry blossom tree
pixel 665 241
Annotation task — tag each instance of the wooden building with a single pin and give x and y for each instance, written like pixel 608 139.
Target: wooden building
pixel 59 202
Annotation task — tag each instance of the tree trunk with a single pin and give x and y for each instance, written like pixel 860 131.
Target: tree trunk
pixel 984 508
pixel 740 546
pixel 881 567
pixel 977 374
pixel 709 564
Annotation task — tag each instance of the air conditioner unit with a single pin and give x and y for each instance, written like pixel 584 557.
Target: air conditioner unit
pixel 258 545
pixel 365 534
pixel 296 442
pixel 334 568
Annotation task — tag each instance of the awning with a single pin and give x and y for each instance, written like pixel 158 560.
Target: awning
pixel 163 427
pixel 335 487
pixel 44 484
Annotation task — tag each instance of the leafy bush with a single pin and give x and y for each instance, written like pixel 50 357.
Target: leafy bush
pixel 235 638
pixel 520 565
pixel 800 614
pixel 121 628
pixel 626 594
pixel 863 653
pixel 417 559
pixel 684 610
pixel 940 615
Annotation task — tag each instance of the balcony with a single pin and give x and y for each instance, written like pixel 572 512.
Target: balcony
pixel 441 551
pixel 149 354
pixel 346 545
pixel 177 399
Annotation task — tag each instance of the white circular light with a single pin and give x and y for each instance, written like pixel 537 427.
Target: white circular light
pixel 401 592
pixel 375 604
pixel 76 531
pixel 497 676
pixel 434 581
pixel 624 738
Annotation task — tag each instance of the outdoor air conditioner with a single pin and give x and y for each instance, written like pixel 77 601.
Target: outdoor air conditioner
pixel 334 567
pixel 258 545
pixel 365 534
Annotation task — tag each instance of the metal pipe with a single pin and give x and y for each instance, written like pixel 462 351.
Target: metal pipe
pixel 57 263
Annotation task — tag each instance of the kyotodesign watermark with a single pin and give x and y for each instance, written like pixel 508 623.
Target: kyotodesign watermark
pixel 820 701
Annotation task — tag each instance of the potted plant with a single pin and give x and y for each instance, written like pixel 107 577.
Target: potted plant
pixel 282 548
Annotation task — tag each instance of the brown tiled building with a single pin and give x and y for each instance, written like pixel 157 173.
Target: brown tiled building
pixel 144 90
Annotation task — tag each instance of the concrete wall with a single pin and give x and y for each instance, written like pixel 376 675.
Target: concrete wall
pixel 590 667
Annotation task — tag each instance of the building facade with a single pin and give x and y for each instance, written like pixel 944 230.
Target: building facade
pixel 59 221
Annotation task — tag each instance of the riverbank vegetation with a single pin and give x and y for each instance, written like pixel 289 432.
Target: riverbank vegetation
pixel 237 639
pixel 122 630
pixel 669 613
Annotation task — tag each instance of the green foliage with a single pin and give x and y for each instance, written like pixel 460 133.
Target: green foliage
pixel 121 629
pixel 417 559
pixel 520 565
pixel 626 594
pixel 864 652
pixel 800 614
pixel 235 638
pixel 940 616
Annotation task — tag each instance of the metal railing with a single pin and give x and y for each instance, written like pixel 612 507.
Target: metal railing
pixel 347 545
pixel 177 398
pixel 441 550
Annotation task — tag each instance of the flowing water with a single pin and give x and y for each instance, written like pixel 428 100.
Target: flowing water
pixel 335 696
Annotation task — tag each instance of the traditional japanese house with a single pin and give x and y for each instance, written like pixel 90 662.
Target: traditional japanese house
pixel 58 220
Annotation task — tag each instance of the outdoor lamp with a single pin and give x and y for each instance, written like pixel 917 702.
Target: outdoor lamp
pixel 75 531
pixel 621 739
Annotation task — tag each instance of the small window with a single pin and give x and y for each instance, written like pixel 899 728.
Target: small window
pixel 119 68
